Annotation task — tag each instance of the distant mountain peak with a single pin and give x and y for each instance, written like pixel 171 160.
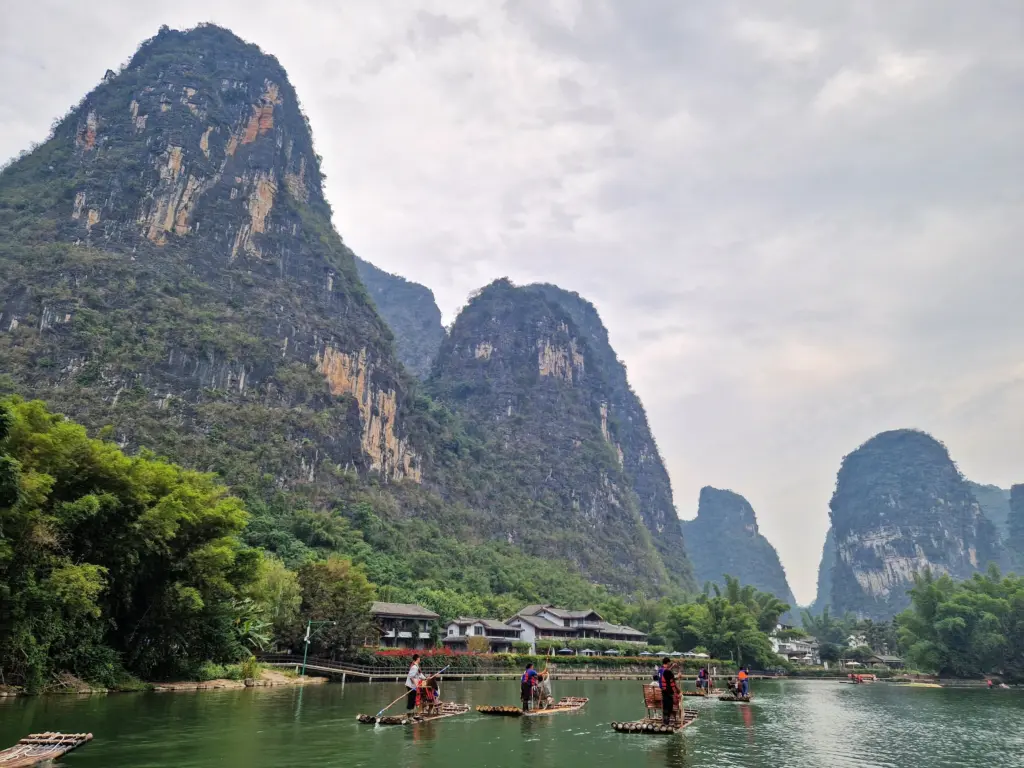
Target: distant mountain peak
pixel 724 539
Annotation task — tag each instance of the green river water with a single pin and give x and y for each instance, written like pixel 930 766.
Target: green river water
pixel 791 724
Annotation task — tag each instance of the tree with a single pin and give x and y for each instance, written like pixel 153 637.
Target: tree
pixel 111 563
pixel 727 629
pixel 826 628
pixel 478 644
pixel 278 594
pixel 966 629
pixel 337 591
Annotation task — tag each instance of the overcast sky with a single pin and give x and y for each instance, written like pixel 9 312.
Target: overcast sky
pixel 801 221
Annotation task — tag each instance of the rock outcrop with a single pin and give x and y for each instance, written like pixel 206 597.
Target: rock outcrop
pixel 624 425
pixel 900 506
pixel 825 566
pixel 724 540
pixel 995 503
pixel 531 381
pixel 410 311
pixel 1015 530
pixel 168 268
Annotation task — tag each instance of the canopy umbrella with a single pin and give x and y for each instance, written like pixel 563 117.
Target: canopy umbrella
pixel 612 653
pixel 566 651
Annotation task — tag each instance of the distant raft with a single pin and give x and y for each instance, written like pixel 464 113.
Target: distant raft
pixel 565 704
pixel 41 747
pixel 655 727
pixel 442 711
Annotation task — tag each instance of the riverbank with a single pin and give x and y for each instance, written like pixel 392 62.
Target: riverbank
pixel 267 678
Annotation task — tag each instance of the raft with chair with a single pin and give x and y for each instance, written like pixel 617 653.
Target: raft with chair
pixel 410 718
pixel 41 747
pixel 565 704
pixel 653 724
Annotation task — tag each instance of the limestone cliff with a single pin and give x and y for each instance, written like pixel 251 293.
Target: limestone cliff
pixel 624 425
pixel 410 311
pixel 900 506
pixel 529 378
pixel 168 268
pixel 995 503
pixel 724 540
pixel 825 566
pixel 1015 530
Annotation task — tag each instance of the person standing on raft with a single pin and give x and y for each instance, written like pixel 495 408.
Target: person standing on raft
pixel 669 690
pixel 412 682
pixel 526 685
pixel 742 682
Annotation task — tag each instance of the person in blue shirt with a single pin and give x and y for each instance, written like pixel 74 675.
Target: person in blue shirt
pixel 526 685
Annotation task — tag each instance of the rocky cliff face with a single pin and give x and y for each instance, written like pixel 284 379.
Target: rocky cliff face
pixel 521 369
pixel 825 566
pixel 168 268
pixel 410 311
pixel 995 503
pixel 1015 530
pixel 724 539
pixel 901 505
pixel 623 416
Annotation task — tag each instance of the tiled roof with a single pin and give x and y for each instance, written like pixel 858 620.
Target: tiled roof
pixel 464 621
pixel 402 610
pixel 532 610
pixel 542 623
pixel 620 629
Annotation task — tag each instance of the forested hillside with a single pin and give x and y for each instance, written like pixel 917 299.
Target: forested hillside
pixel 170 278
pixel 411 314
pixel 528 380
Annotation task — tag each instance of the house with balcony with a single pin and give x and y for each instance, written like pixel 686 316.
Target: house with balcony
pixel 402 625
pixel 797 650
pixel 499 635
pixel 547 622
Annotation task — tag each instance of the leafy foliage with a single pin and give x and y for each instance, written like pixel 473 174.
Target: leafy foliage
pixel 968 628
pixel 732 624
pixel 111 563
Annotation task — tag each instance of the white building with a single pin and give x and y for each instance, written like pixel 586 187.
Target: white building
pixel 402 625
pixel 499 635
pixel 546 622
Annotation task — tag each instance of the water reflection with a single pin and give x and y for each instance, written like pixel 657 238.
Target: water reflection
pixel 676 754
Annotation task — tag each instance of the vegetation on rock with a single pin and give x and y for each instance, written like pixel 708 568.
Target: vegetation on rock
pixel 533 392
pixel 169 277
pixel 900 506
pixel 411 314
pixel 724 539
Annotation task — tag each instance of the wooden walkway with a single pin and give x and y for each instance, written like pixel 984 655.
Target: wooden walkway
pixel 41 747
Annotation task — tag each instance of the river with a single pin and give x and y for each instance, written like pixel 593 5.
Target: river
pixel 791 724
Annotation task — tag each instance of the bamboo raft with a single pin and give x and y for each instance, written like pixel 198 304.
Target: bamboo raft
pixel 565 704
pixel 41 747
pixel 410 718
pixel 733 697
pixel 702 694
pixel 653 723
